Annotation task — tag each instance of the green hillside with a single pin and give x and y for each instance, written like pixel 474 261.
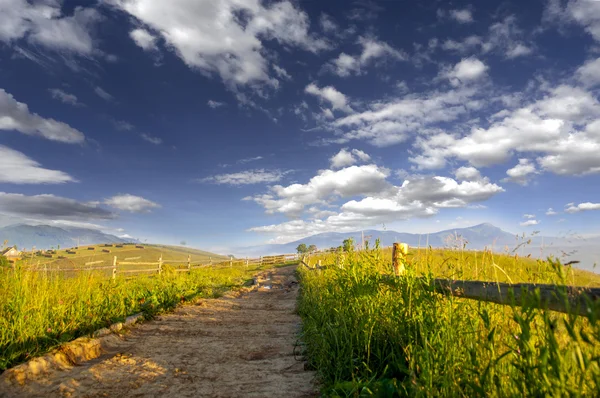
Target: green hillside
pixel 78 257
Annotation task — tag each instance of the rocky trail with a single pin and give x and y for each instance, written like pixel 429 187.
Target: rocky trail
pixel 240 345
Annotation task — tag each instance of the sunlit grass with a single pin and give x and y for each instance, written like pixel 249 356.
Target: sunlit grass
pixel 367 334
pixel 39 311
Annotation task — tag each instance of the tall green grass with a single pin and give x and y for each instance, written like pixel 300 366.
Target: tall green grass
pixel 39 312
pixel 366 334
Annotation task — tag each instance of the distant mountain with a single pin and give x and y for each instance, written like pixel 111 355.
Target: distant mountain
pixel 46 237
pixel 477 237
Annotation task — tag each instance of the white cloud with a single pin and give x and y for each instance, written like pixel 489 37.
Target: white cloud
pixel 347 182
pixel 150 139
pixel 15 115
pixel 503 37
pixel 64 97
pixel 572 208
pixel 346 158
pixel 43 24
pixel 468 69
pixel 328 24
pixel 521 173
pixel 50 207
pixel 589 73
pixel 257 176
pixel 144 39
pixel 282 73
pixel 342 159
pixel 462 16
pixel 103 94
pixel 548 126
pixel 393 120
pixel 226 37
pixel 529 223
pixel 215 104
pixel 529 216
pixel 467 174
pixel 551 212
pixel 372 50
pixel 378 202
pixel 330 94
pixel 131 203
pixel 248 160
pixel 16 168
pixel 583 12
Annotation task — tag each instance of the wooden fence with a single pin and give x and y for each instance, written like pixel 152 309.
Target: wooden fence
pixel 576 300
pixel 156 267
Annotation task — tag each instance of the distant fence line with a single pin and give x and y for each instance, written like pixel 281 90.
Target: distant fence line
pixel 158 265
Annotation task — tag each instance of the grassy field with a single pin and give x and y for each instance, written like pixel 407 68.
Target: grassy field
pixel 149 253
pixel 368 335
pixel 39 312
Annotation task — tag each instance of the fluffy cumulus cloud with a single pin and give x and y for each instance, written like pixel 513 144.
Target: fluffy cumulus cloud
pixel 521 173
pixel 16 116
pixel 373 51
pixel 551 212
pixel 16 168
pixel 346 158
pixel 43 23
pixel 247 177
pixel 465 173
pixel 337 100
pixel 562 128
pixel 367 199
pixel 467 70
pixel 131 203
pixel 144 39
pixel 225 37
pixel 573 208
pixel 586 13
pixel 589 73
pixel 50 207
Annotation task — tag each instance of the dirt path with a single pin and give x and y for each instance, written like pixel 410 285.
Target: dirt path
pixel 239 345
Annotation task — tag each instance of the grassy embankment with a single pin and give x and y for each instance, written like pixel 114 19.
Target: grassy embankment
pixel 368 335
pixel 39 311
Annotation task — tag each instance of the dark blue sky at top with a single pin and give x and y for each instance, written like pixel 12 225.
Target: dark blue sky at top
pixel 158 95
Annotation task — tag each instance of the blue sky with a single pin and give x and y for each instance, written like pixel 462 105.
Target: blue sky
pixel 240 122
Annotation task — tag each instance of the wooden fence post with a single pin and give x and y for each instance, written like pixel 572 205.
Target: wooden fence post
pixel 210 260
pixel 246 261
pixel 399 253
pixel 160 261
pixel 114 270
pixel 231 261
pixel 260 260
pixel 45 269
pixel 189 262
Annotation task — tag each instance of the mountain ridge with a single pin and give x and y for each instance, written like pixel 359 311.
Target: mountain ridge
pixel 46 236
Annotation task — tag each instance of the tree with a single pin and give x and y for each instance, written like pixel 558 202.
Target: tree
pixel 348 244
pixel 183 243
pixel 302 249
pixel 312 248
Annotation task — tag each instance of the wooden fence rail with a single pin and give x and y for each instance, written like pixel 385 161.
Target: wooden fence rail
pixel 566 299
pixel 158 265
